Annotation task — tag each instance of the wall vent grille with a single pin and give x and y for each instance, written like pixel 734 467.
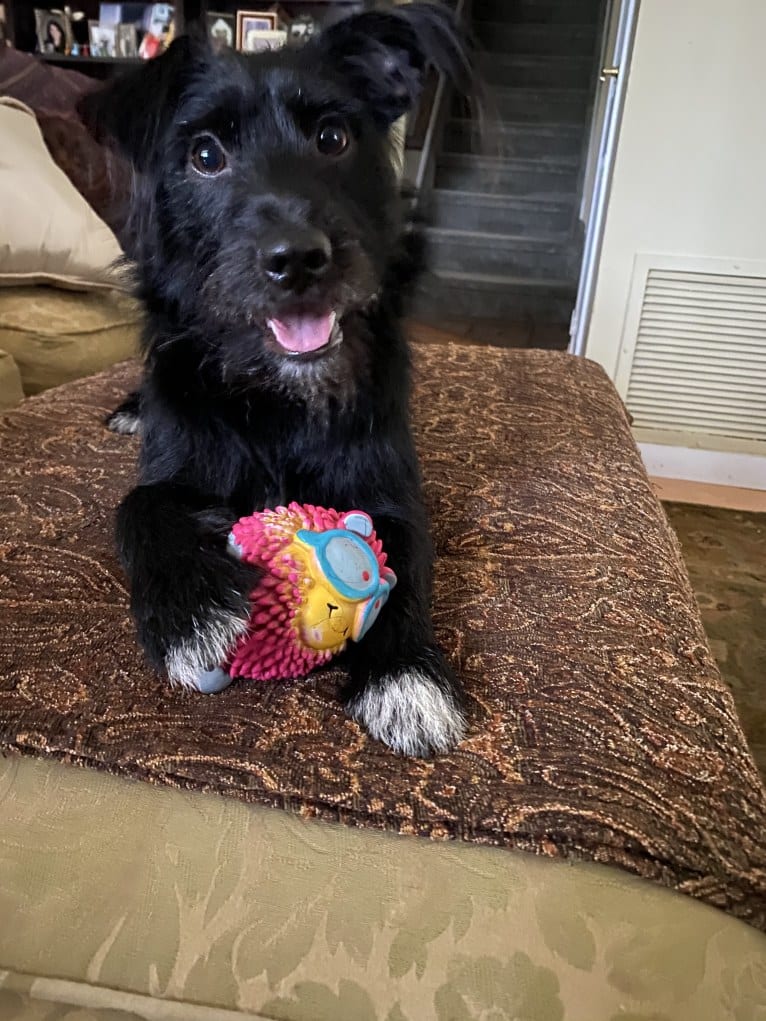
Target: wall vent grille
pixel 699 363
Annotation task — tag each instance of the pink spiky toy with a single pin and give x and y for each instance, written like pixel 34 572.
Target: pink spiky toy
pixel 325 581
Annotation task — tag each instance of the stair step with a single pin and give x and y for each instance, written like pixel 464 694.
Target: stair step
pixel 582 11
pixel 538 177
pixel 486 296
pixel 514 139
pixel 497 254
pixel 531 70
pixel 530 103
pixel 567 40
pixel 460 210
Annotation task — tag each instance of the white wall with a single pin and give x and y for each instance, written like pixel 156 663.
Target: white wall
pixel 690 172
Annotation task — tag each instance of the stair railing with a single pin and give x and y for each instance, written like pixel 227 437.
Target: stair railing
pixel 433 112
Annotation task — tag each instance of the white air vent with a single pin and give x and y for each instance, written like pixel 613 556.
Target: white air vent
pixel 699 361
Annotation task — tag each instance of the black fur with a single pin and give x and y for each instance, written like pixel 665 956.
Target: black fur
pixel 230 422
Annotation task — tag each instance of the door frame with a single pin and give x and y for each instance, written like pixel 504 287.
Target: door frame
pixel 618 37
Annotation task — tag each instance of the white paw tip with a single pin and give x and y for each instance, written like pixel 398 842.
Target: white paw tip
pixel 123 423
pixel 410 713
pixel 206 649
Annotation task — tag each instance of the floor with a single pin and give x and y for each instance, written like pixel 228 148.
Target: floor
pixel 500 333
pixel 729 497
pixel 725 554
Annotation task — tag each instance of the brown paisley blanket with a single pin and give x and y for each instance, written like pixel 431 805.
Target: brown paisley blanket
pixel 599 725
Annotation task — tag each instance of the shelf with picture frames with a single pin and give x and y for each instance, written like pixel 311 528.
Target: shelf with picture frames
pixel 290 22
pixel 22 32
pixel 73 37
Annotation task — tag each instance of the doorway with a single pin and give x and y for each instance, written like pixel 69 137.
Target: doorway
pixel 620 21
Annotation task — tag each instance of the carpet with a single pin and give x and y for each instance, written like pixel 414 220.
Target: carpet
pixel 725 555
pixel 599 727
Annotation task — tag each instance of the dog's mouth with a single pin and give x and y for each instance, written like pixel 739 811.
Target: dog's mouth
pixel 306 334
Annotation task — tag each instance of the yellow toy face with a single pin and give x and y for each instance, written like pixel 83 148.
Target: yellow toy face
pixel 343 590
pixel 326 620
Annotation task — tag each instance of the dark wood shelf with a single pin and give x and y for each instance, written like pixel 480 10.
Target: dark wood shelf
pixel 63 58
pixel 21 23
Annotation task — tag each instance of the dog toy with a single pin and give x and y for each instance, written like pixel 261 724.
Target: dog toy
pixel 325 581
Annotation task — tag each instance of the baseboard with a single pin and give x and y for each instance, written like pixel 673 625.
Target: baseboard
pixel 713 467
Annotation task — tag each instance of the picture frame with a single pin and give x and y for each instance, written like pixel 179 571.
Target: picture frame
pixel 54 32
pixel 121 13
pixel 221 29
pixel 126 41
pixel 103 39
pixel 159 24
pixel 256 41
pixel 301 29
pixel 158 16
pixel 254 21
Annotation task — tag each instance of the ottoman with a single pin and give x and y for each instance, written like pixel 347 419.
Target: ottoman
pixel 601 739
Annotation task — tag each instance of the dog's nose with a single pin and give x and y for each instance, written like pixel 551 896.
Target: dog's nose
pixel 297 259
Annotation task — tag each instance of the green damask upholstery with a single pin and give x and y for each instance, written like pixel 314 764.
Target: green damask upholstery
pixel 147 902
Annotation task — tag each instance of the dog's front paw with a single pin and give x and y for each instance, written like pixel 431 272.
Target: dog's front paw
pixel 126 418
pixel 190 619
pixel 411 711
pixel 191 660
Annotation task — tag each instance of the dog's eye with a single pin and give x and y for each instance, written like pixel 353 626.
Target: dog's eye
pixel 332 138
pixel 207 156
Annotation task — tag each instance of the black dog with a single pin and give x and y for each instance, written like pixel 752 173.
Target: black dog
pixel 273 253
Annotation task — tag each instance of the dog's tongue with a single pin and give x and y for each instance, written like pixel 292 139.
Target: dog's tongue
pixel 301 334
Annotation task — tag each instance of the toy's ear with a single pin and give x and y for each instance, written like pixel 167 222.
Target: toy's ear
pixel 385 55
pixel 135 108
pixel 359 522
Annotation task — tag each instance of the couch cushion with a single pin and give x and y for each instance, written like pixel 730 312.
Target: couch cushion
pixel 174 906
pixel 55 336
pixel 11 391
pixel 50 233
pixel 599 726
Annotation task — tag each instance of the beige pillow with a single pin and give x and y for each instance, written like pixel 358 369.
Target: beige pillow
pixel 48 232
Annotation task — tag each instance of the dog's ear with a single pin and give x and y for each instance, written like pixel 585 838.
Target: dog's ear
pixel 385 55
pixel 134 109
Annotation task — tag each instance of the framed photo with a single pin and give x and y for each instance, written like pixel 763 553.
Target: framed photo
pixel 301 29
pixel 160 29
pixel 126 41
pixel 121 13
pixel 221 29
pixel 255 41
pixel 103 39
pixel 158 18
pixel 254 21
pixel 54 31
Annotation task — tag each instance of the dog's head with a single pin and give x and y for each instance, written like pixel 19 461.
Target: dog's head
pixel 266 207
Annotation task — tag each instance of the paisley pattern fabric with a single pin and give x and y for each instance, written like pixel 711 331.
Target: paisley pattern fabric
pixel 599 727
pixel 136 902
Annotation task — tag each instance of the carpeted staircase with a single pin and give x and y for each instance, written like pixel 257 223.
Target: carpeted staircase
pixel 505 238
